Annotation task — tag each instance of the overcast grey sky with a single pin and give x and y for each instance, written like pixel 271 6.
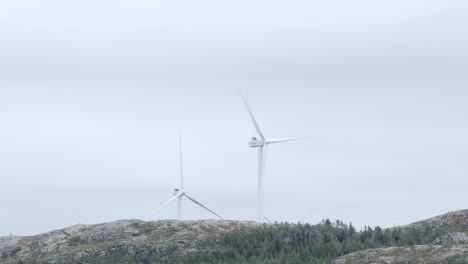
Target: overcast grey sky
pixel 93 95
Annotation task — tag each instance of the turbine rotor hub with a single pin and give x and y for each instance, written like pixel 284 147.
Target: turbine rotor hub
pixel 255 143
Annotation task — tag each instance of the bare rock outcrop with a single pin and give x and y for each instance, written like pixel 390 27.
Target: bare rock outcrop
pixel 130 237
pixel 429 254
pixel 452 239
pixel 118 229
pixel 457 219
pixel 9 245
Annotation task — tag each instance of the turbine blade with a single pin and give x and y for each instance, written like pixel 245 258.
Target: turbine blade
pixel 181 170
pixel 279 140
pixel 169 201
pixel 264 150
pixel 253 119
pixel 268 220
pixel 195 201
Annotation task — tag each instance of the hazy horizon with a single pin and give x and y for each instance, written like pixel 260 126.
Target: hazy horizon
pixel 93 96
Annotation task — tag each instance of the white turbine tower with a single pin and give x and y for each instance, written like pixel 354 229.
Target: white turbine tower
pixel 179 193
pixel 261 145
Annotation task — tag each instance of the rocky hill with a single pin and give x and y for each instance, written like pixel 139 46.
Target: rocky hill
pixel 449 248
pixel 457 219
pixel 85 243
pixel 442 239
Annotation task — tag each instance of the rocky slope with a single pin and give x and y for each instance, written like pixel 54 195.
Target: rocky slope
pixel 457 219
pixel 449 248
pixel 428 254
pixel 80 243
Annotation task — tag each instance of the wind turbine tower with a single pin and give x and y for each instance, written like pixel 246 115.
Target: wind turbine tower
pixel 261 144
pixel 180 192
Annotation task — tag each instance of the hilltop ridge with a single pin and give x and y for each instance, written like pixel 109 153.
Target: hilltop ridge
pixel 449 220
pixel 128 236
pixel 440 239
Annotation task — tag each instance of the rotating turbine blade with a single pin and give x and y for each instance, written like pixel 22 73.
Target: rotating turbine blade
pixel 181 169
pixel 264 149
pixel 279 140
pixel 253 119
pixel 195 201
pixel 169 201
pixel 268 220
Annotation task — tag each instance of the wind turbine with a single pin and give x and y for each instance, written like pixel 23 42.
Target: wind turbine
pixel 180 192
pixel 261 144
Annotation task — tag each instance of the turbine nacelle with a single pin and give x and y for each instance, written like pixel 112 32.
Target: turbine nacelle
pixel 255 143
pixel 177 191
